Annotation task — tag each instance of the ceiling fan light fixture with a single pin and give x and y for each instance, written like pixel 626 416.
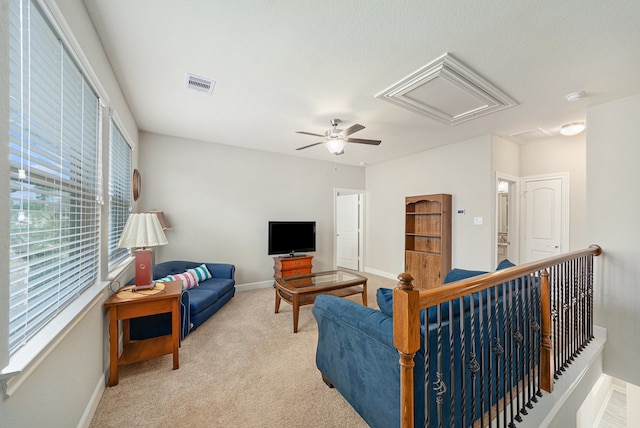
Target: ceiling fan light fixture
pixel 335 145
pixel 572 129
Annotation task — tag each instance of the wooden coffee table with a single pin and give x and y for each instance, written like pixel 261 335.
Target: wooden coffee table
pixel 302 290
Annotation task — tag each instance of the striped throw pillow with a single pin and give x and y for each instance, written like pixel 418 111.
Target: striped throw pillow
pixel 201 272
pixel 188 279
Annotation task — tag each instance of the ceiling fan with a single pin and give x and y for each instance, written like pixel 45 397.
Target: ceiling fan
pixel 335 139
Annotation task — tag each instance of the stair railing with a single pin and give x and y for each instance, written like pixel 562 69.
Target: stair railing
pixel 546 304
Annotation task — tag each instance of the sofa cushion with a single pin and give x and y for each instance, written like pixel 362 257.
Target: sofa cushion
pixel 384 297
pixel 504 264
pixel 208 292
pixel 189 280
pixel 201 272
pixel 201 298
pixel 459 274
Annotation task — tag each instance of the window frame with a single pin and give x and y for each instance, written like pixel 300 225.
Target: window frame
pixel 17 367
pixel 120 201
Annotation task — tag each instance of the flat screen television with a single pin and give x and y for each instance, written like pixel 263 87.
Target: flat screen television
pixel 291 237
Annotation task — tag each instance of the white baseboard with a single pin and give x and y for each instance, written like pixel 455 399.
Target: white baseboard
pixel 381 273
pixel 90 410
pixel 254 285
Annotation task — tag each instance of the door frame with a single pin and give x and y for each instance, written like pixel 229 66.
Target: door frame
pixel 348 191
pixel 564 178
pixel 514 217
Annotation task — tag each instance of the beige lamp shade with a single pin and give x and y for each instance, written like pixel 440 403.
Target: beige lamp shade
pixel 142 230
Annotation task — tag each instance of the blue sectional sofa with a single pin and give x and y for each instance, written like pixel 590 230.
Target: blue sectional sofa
pixel 356 355
pixel 198 303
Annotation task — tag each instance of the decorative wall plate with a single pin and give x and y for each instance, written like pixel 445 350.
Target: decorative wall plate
pixel 136 184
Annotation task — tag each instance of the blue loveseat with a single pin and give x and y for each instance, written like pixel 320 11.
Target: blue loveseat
pixel 356 355
pixel 198 303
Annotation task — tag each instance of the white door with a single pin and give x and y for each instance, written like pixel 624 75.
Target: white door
pixel 347 229
pixel 546 217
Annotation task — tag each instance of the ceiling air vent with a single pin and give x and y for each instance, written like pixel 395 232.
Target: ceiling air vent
pixel 200 84
pixel 530 135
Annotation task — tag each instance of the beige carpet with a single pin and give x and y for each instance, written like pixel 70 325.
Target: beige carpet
pixel 243 367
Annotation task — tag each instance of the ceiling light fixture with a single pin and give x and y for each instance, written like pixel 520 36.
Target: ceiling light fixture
pixel 575 96
pixel 335 145
pixel 571 129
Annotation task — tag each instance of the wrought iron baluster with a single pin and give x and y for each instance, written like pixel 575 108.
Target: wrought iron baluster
pixel 438 386
pixel 538 339
pixel 482 357
pixel 530 348
pixel 463 358
pixel 518 338
pixel 574 315
pixel 590 296
pixel 581 305
pixel 500 350
pixel 489 351
pixel 524 316
pixel 427 378
pixel 472 364
pixel 555 322
pixel 452 369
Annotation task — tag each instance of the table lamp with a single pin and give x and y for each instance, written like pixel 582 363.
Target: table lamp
pixel 142 231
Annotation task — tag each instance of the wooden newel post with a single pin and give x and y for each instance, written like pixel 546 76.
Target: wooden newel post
pixel 546 350
pixel 406 338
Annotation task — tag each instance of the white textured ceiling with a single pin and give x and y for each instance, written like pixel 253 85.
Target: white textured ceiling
pixel 282 66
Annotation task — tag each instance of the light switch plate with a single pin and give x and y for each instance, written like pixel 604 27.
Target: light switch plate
pixel 477 220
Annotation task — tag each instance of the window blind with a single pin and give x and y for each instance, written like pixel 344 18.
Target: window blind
pixel 54 224
pixel 119 190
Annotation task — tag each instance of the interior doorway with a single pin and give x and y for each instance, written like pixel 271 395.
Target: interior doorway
pixel 545 210
pixel 349 218
pixel 507 225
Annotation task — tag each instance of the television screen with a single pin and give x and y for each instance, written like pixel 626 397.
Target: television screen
pixel 290 237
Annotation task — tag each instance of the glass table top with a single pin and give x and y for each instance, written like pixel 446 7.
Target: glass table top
pixel 322 279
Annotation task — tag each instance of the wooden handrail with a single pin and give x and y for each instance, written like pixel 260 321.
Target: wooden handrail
pixel 408 303
pixel 454 290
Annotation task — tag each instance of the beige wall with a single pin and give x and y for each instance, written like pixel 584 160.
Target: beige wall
pixel 506 156
pixel 613 202
pixel 557 155
pixel 219 200
pixel 463 170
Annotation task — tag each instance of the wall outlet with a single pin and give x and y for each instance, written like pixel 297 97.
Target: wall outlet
pixel 460 212
pixel 477 221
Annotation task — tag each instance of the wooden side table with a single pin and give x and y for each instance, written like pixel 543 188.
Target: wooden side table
pixel 123 309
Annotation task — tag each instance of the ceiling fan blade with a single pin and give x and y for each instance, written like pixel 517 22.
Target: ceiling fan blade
pixel 350 130
pixel 309 133
pixel 310 145
pixel 363 141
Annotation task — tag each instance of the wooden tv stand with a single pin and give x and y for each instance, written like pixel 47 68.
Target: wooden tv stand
pixel 284 267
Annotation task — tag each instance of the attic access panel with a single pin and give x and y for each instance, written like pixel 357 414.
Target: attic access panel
pixel 448 91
